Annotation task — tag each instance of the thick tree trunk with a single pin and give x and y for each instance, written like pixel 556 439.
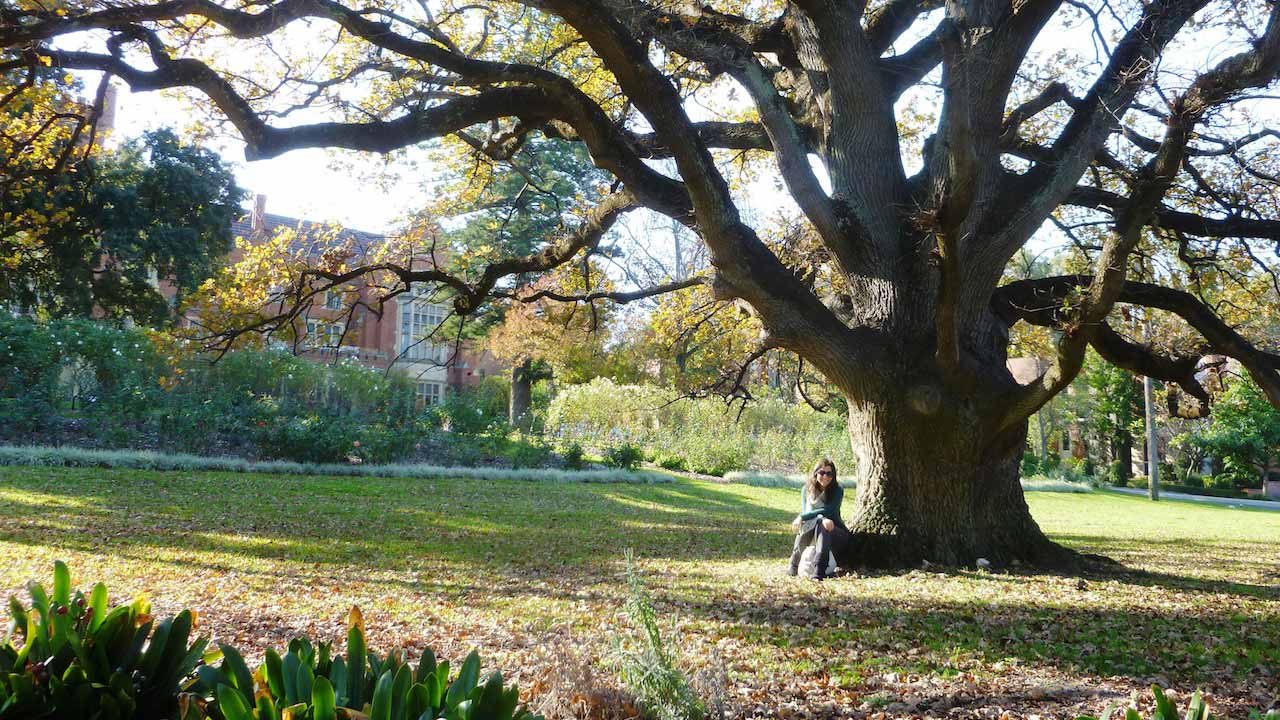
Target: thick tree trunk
pixel 519 409
pixel 937 477
pixel 922 496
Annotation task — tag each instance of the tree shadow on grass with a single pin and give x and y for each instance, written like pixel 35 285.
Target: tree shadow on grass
pixel 1201 554
pixel 390 523
pixel 875 634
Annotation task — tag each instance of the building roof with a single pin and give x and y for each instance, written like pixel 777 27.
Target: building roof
pixel 313 237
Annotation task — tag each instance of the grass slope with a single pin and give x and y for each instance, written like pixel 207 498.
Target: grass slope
pixel 509 567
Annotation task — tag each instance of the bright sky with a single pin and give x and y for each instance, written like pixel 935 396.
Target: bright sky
pixel 303 183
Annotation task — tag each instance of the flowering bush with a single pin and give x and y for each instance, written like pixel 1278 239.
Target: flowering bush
pixel 88 382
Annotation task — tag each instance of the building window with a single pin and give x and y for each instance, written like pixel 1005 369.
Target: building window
pixel 323 334
pixel 418 319
pixel 333 300
pixel 428 393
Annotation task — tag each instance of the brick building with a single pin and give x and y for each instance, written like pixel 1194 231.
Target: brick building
pixel 400 337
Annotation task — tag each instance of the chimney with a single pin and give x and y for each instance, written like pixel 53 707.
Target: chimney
pixel 258 220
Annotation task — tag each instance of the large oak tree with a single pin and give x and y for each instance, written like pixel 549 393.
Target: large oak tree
pixel 916 206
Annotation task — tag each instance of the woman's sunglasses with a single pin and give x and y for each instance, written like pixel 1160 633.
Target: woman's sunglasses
pixel 824 472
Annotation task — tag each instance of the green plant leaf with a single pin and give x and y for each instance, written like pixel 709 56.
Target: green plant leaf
pixel 150 659
pixel 323 702
pixel 97 606
pixel 466 681
pixel 231 704
pixel 418 702
pixel 267 708
pixel 381 707
pixel 426 665
pixel 61 583
pixel 305 682
pixel 356 659
pixel 289 674
pixel 489 697
pixel 234 667
pixel 400 685
pixel 1165 709
pixel 338 676
pixel 274 672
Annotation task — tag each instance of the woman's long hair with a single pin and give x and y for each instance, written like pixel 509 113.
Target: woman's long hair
pixel 814 488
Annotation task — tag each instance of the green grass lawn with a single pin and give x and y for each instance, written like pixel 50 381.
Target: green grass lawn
pixel 520 569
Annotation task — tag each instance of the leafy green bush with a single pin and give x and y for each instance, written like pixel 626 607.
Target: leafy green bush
pixel 75 369
pixel 80 660
pixel 1207 492
pixel 1193 480
pixel 526 450
pixel 669 461
pixel 624 456
pixel 573 456
pixel 701 435
pixel 87 382
pixel 1139 481
pixel 474 410
pixel 1030 464
pixel 1116 474
pixel 311 683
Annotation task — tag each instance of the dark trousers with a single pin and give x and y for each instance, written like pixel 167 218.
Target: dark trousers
pixel 834 540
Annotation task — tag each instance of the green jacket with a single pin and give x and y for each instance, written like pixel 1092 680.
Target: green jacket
pixel 829 510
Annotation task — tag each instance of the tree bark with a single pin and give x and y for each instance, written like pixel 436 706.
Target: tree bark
pixel 937 479
pixel 519 409
pixel 921 497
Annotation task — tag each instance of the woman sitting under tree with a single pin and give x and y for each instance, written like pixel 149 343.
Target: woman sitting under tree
pixel 819 519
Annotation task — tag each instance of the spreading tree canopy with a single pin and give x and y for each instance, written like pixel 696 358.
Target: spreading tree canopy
pixel 924 143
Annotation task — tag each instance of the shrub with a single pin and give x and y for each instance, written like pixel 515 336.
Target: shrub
pixel 311 683
pixel 76 369
pixel 1116 474
pixel 526 451
pixel 572 456
pixel 1193 480
pixel 649 669
pixel 1139 481
pixel 1207 492
pixel 702 435
pixel 669 461
pixel 1051 461
pixel 473 410
pixel 1220 482
pixel 80 660
pixel 1030 464
pixel 624 456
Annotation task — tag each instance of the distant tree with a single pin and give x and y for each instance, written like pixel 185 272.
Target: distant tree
pixel 1114 395
pixel 1243 432
pixel 157 208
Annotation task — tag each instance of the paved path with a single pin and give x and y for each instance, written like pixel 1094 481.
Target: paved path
pixel 1233 502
